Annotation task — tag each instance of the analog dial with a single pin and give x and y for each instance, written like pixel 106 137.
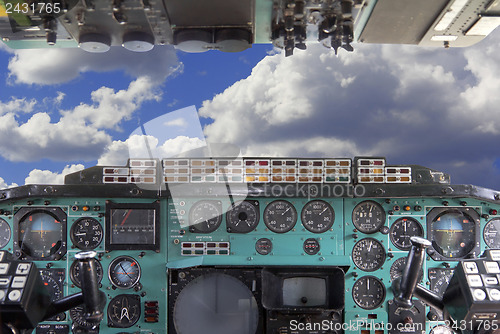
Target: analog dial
pixel 280 216
pixel 53 280
pixel 41 233
pixel 205 217
pixel 368 217
pixel 5 233
pixel 439 279
pixel 397 269
pixel 317 216
pixel 124 311
pixel 368 254
pixel 491 233
pixel 441 329
pixel 86 233
pixel 80 323
pixel 75 275
pixel 124 272
pixel 402 230
pixel 243 217
pixel 368 292
pixel 453 233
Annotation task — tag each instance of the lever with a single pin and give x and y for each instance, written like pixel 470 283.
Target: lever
pixel 404 288
pixel 93 299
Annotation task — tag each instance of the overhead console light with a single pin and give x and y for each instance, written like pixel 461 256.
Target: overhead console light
pixel 257 170
pixel 450 15
pixel 139 171
pixel 311 171
pixel 398 174
pixel 370 170
pixel 284 170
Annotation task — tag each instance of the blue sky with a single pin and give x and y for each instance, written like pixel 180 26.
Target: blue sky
pixel 62 110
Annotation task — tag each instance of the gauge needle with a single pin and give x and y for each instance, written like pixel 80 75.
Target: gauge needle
pixel 285 211
pixel 80 234
pixel 124 271
pixel 370 248
pixel 126 217
pixel 323 211
pixel 368 284
pixel 405 226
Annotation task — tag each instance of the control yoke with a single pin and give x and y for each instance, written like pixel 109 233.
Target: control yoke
pixel 406 286
pixel 26 302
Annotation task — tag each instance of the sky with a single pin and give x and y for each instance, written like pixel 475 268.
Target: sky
pixel 62 110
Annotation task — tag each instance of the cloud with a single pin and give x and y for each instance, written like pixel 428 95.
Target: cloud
pixel 55 66
pixel 4 185
pixel 17 106
pixel 140 146
pixel 180 122
pixel 38 176
pixel 410 104
pixel 79 133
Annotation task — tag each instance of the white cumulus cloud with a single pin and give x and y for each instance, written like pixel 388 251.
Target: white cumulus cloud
pixel 55 66
pixel 146 146
pixel 78 133
pixel 38 176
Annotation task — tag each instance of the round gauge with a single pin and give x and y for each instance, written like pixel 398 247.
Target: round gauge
pixel 53 281
pixel 452 233
pixel 124 311
pixel 264 246
pixel 397 269
pixel 441 329
pixel 74 273
pixel 205 217
pixel 4 233
pixel 491 233
pixel 368 292
pixel 402 230
pixel 242 217
pixel 368 254
pixel 317 216
pixel 41 233
pixel 439 279
pixel 368 217
pixel 86 233
pixel 124 272
pixel 79 321
pixel 280 216
pixel 311 246
pixel 222 304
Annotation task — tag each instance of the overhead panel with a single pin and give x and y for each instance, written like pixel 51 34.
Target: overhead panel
pixel 401 21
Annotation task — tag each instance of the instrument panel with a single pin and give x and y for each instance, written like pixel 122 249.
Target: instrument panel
pixel 148 247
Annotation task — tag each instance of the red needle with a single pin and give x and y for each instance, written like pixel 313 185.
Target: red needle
pixel 126 217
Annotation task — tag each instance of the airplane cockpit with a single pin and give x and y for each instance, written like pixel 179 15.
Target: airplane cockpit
pixel 216 242
pixel 252 245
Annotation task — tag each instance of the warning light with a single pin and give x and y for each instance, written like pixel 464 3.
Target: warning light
pixel 406 208
pixel 86 208
pixel 493 212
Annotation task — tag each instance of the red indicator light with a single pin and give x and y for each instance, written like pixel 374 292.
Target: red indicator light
pixel 378 163
pixel 405 171
pixel 45 283
pixel 493 212
pixel 186 245
pixel 250 162
pixel 304 163
pixel 53 244
pixel 263 163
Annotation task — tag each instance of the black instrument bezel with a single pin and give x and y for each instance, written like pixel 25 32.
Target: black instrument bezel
pixel 56 212
pixel 470 212
pixel 134 206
